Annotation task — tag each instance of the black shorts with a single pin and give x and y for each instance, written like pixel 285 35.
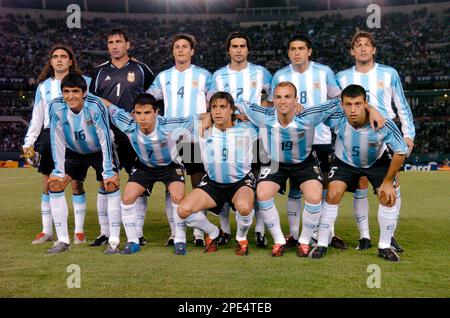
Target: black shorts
pixel 298 173
pixel 77 164
pixel 260 157
pixel 44 148
pixel 222 193
pixel 146 176
pixel 125 153
pixel 324 154
pixel 341 171
pixel 192 160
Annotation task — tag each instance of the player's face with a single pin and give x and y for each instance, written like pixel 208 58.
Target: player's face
pixel 60 61
pixel 355 110
pixel 145 116
pixel 221 112
pixel 285 100
pixel 238 50
pixel 299 53
pixel 182 51
pixel 363 50
pixel 117 46
pixel 74 97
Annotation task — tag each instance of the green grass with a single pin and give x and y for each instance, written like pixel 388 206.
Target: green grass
pixel 26 271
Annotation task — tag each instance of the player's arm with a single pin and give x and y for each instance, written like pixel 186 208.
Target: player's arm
pixel 255 113
pixel 149 76
pixel 273 84
pixel 120 118
pixel 37 120
pixel 377 121
pixel 330 113
pixel 333 89
pixel 155 88
pixel 58 146
pixel 403 111
pixel 267 87
pixel 93 89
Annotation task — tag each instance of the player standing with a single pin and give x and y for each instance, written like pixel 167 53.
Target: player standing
pixel 243 80
pixel 362 151
pixel 119 81
pixel 61 62
pixel 80 137
pixel 315 83
pixel 183 88
pixel 383 85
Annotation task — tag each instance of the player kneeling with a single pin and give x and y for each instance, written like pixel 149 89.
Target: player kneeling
pixel 361 151
pixel 226 151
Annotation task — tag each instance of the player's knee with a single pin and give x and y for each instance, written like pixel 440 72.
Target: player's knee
pixel 244 207
pixel 128 199
pixel 111 187
pixel 55 186
pixel 363 183
pixel 184 210
pixel 263 195
pixel 334 196
pixel 176 198
pixel 77 187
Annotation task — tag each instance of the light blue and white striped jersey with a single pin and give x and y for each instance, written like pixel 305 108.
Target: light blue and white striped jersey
pixel 290 144
pixel 246 84
pixel 227 155
pixel 361 147
pixel 314 86
pixel 159 147
pixel 184 93
pixel 382 84
pixel 45 93
pixel 85 133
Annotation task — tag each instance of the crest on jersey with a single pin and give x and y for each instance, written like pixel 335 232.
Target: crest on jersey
pixel 131 77
pixel 316 85
pixel 89 122
pixel 380 84
pixel 373 144
pixel 254 84
pixel 194 84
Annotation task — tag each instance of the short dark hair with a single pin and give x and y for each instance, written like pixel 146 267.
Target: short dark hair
pixel 237 35
pixel 118 31
pixel 74 80
pixel 288 84
pixel 222 95
pixel 184 36
pixel 353 91
pixel 363 34
pixel 146 99
pixel 299 37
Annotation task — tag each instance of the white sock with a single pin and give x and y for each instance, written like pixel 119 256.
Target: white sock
pixel 180 225
pixel 224 218
pixel 243 225
pixel 310 220
pixel 361 212
pixel 79 211
pixel 102 210
pixel 398 205
pixel 327 218
pixel 198 220
pixel 271 219
pixel 129 222
pixel 114 217
pixel 259 226
pixel 198 233
pixel 169 214
pixel 294 206
pixel 387 218
pixel 60 212
pixel 46 214
pixel 140 210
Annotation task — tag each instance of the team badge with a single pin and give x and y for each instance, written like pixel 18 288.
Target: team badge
pixel 373 144
pixel 131 77
pixel 179 171
pixel 380 84
pixel 194 84
pixel 89 122
pixel 253 84
pixel 316 85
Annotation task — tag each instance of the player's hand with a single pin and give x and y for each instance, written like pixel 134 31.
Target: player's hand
pixel 113 183
pixel 106 102
pixel 300 108
pixel 386 193
pixel 410 143
pixel 28 152
pixel 377 121
pixel 241 117
pixel 205 124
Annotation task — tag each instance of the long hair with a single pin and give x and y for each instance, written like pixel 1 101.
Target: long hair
pixel 48 70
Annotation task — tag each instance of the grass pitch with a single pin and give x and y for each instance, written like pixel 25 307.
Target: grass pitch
pixel 26 271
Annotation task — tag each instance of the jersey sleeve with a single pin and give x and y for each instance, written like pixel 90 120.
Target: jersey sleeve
pixel 267 81
pixel 93 83
pixel 333 89
pixel 88 82
pixel 149 76
pixel 182 126
pixel 101 124
pixel 393 138
pixel 156 89
pixel 212 86
pixel 58 144
pixel 121 119
pixel 403 109
pixel 255 113
pixel 37 119
pixel 330 113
